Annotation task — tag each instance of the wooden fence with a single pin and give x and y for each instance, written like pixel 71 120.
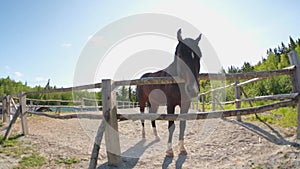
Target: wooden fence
pixel 111 117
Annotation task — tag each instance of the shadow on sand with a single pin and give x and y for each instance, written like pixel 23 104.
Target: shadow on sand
pixel 131 157
pixel 179 162
pixel 274 137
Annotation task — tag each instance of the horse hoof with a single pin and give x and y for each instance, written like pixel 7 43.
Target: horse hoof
pixel 183 152
pixel 169 153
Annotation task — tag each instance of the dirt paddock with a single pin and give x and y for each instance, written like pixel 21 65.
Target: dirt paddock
pixel 217 143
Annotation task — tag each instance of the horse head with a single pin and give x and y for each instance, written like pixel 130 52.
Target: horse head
pixel 187 57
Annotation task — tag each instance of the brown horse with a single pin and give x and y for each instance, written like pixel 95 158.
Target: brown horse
pixel 186 66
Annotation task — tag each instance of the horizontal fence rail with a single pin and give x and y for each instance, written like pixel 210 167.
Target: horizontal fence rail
pixel 171 80
pixel 248 75
pixel 69 89
pixel 176 117
pixel 206 115
pixel 53 100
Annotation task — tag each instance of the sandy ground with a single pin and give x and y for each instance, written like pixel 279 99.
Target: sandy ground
pixel 217 143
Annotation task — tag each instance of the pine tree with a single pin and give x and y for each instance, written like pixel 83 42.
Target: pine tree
pixel 292 44
pixel 284 49
pixel 247 67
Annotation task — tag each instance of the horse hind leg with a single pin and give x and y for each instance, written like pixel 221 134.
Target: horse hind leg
pixel 142 111
pixel 153 109
pixel 143 128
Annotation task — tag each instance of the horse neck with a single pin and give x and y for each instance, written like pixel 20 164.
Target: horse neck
pixel 172 69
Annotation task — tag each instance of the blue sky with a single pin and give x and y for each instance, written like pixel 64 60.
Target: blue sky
pixel 43 39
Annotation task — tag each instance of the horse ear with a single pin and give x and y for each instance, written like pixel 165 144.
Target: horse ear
pixel 179 37
pixel 199 38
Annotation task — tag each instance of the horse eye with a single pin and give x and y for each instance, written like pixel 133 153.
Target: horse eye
pixel 193 56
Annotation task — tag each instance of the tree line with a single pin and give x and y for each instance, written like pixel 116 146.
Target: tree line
pixel 276 58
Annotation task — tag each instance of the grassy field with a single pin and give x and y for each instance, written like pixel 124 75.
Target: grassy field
pixel 27 154
pixel 283 117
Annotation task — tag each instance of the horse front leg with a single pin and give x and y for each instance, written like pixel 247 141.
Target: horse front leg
pixel 171 128
pixel 183 110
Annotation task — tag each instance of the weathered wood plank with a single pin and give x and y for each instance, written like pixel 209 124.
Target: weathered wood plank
pixel 259 98
pixel 4 109
pixel 63 106
pixel 213 103
pixel 248 75
pixel 249 81
pixel 68 116
pixel 69 89
pixel 23 113
pixel 8 130
pixel 237 97
pixel 203 102
pixel 13 103
pixel 8 106
pixel 112 141
pixel 295 77
pixel 170 80
pixel 96 147
pixel 53 100
pixel 207 115
pixel 271 97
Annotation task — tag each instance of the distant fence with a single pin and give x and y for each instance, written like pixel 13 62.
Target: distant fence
pixel 109 104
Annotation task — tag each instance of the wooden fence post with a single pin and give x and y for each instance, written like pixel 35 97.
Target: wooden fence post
pixel 58 109
pixel 7 133
pixel 213 105
pixel 82 104
pixel 97 144
pixel 197 106
pixel 111 130
pixel 31 105
pixel 203 102
pixel 22 99
pixel 237 96
pixel 8 107
pixel 295 77
pixel 4 109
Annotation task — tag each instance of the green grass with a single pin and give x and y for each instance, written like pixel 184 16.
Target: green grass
pixel 68 161
pixel 10 142
pixel 28 156
pixel 34 160
pixel 259 166
pixel 283 117
pixel 13 147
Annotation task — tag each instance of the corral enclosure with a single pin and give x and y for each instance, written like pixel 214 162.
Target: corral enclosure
pixel 111 115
